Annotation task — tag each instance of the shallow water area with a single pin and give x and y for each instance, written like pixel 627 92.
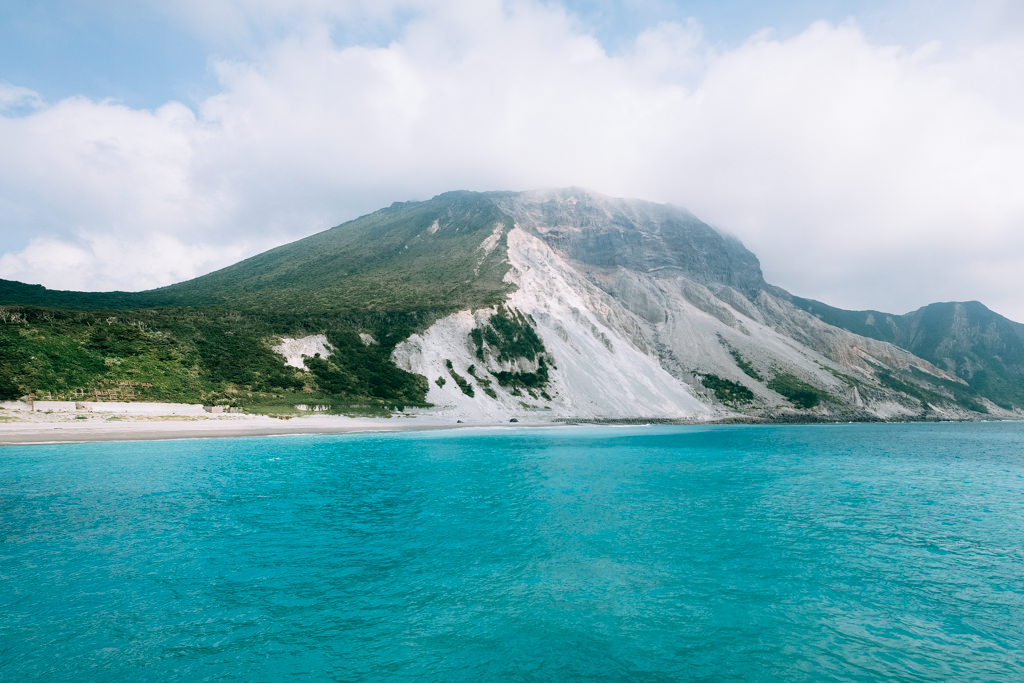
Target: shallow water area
pixel 853 552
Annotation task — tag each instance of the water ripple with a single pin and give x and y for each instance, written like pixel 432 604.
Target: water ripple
pixel 861 552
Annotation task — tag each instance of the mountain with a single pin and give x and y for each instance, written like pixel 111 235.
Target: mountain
pixel 561 303
pixel 413 255
pixel 432 255
pixel 964 338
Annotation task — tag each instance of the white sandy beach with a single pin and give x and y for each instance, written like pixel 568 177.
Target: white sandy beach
pixel 28 428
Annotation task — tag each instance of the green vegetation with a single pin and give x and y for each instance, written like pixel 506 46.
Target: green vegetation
pixel 391 260
pixel 526 380
pixel 484 383
pixel 506 336
pixel 9 391
pixel 841 376
pixel 21 294
pixel 205 355
pixel 97 356
pixel 726 390
pixel 390 274
pixel 744 365
pixel 965 338
pixel 890 381
pixel 796 391
pixel 461 381
pixel 284 406
pixel 355 372
pixel 477 336
pixel 953 391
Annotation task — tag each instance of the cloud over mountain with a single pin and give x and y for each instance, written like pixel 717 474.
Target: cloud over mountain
pixel 868 174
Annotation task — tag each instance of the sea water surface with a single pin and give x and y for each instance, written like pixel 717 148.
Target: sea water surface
pixel 843 552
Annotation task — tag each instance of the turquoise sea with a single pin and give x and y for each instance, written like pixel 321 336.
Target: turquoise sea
pixel 798 553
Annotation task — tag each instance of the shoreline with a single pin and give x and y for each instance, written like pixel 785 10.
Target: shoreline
pixel 40 432
pixel 97 429
pixel 46 430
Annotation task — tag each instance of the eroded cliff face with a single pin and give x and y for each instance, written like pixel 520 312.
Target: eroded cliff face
pixel 644 237
pixel 559 303
pixel 598 364
pixel 645 312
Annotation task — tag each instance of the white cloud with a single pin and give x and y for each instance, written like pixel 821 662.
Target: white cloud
pixel 14 97
pixel 864 174
pixel 150 261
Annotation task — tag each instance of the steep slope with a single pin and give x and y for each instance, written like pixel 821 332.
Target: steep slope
pixel 561 303
pixel 593 368
pixel 443 254
pixel 659 289
pixel 604 232
pixel 966 339
pixel 381 276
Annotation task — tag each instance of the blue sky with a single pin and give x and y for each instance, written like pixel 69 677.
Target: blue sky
pixel 866 150
pixel 121 50
pixel 143 54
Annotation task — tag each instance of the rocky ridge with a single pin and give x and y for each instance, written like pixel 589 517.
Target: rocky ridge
pixel 648 312
pixel 557 304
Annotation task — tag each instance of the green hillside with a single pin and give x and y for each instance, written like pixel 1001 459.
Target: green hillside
pixel 387 274
pixel 394 259
pixel 408 257
pixel 21 294
pixel 210 355
pixel 396 271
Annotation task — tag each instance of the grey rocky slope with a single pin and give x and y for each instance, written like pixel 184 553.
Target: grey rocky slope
pixel 645 311
pixel 965 338
pixel 561 303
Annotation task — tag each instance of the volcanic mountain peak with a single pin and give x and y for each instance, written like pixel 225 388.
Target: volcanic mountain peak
pixel 634 234
pixel 559 302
